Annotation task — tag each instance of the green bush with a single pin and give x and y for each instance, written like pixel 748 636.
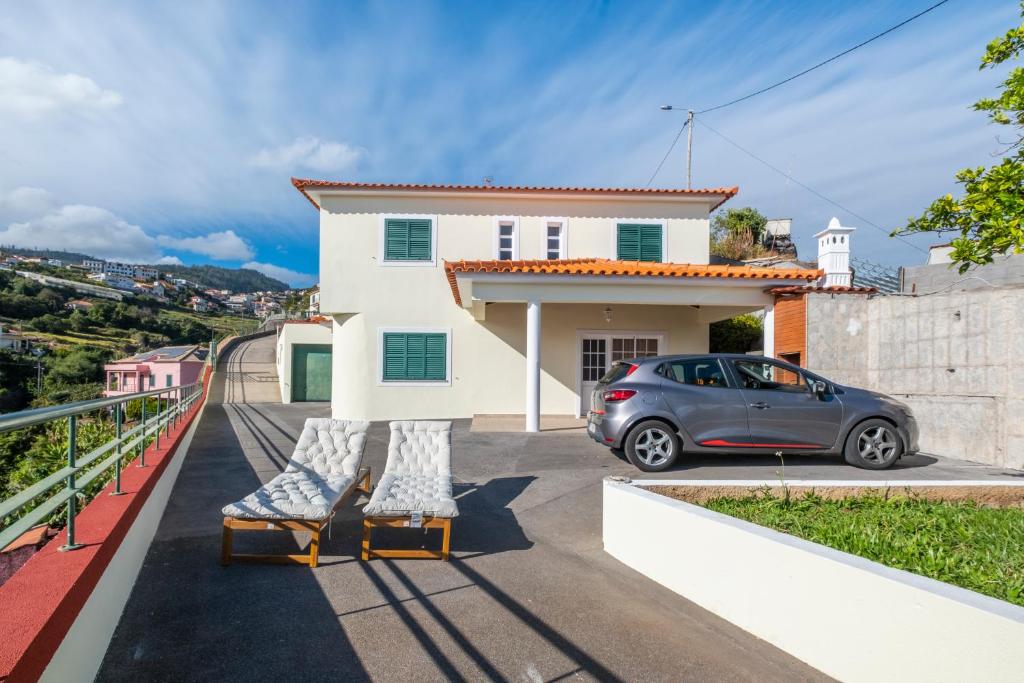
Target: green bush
pixel 735 335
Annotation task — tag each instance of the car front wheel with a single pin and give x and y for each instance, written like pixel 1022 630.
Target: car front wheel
pixel 652 446
pixel 873 445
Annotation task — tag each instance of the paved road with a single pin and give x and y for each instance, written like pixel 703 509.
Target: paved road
pixel 530 594
pixel 249 374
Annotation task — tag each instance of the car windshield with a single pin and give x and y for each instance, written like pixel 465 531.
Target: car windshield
pixel 617 371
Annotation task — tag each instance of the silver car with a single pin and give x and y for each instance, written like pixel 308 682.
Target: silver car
pixel 656 408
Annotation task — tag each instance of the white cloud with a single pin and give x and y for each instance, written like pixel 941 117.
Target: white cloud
pixel 31 89
pixel 293 278
pixel 309 152
pixel 86 229
pixel 170 261
pixel 224 246
pixel 23 203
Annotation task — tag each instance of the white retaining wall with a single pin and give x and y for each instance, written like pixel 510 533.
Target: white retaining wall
pixel 851 618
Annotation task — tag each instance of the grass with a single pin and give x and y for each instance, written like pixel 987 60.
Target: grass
pixel 959 542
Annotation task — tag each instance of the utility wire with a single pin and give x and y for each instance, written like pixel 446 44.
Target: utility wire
pixel 665 158
pixel 810 189
pixel 821 64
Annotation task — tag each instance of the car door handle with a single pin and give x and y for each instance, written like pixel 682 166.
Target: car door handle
pixel 760 405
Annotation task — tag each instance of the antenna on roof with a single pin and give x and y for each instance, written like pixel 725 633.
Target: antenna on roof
pixel 488 180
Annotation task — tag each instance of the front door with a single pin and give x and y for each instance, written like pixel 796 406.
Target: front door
pixel 782 410
pixel 599 351
pixel 311 372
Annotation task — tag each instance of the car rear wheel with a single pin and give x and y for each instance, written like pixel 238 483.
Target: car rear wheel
pixel 652 446
pixel 873 445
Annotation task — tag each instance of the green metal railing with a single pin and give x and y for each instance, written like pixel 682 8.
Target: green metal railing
pixel 25 509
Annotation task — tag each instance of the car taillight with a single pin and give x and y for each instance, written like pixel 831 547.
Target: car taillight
pixel 632 369
pixel 616 395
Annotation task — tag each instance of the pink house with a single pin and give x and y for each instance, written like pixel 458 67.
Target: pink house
pixel 169 366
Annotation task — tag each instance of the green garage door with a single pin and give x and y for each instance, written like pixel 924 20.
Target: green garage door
pixel 311 372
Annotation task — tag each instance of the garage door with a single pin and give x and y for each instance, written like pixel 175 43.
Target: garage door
pixel 311 372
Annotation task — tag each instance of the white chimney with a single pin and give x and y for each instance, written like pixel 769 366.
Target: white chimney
pixel 834 254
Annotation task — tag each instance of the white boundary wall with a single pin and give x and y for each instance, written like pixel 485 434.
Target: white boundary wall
pixel 851 618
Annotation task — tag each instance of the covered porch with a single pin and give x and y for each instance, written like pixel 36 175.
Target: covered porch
pixel 645 309
pixel 126 378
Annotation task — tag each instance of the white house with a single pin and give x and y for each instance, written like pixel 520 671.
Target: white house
pixel 454 300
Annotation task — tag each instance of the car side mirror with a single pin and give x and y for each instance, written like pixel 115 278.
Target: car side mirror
pixel 819 388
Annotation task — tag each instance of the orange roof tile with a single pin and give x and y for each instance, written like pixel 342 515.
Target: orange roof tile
pixel 609 268
pixel 301 184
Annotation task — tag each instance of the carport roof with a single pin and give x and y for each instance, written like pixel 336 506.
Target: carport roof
pixel 608 268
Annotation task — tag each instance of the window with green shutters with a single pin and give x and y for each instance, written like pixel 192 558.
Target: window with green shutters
pixel 639 242
pixel 408 239
pixel 415 357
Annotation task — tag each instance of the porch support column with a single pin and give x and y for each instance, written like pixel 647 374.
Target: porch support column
pixel 533 366
pixel 769 330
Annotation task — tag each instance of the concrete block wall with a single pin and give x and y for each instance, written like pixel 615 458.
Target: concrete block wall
pixel 957 358
pixel 1003 271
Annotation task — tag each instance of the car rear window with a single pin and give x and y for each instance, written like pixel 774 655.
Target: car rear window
pixel 617 371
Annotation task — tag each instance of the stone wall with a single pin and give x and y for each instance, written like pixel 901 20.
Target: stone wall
pixel 957 358
pixel 1004 271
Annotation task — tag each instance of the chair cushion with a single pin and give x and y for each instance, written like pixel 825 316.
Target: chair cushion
pixel 292 495
pixel 397 495
pixel 420 447
pixel 329 447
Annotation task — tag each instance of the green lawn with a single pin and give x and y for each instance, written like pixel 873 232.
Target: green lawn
pixel 962 543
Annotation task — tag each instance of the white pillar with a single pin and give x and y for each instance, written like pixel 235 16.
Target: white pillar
pixel 533 366
pixel 769 330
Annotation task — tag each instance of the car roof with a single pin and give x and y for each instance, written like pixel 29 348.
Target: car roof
pixel 688 356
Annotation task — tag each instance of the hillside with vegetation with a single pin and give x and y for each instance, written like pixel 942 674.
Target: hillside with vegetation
pixel 210 277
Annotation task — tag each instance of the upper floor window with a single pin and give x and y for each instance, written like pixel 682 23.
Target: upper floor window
pixel 554 238
pixel 408 240
pixel 640 242
pixel 507 238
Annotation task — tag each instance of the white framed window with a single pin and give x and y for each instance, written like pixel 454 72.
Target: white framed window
pixel 506 238
pixel 414 356
pixel 556 238
pixel 407 240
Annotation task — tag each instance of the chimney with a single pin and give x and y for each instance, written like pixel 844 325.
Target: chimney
pixel 834 255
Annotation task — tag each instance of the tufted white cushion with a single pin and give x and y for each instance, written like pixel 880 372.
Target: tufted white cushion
pixel 320 471
pixel 418 474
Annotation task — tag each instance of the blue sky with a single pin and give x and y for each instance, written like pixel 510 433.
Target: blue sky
pixel 148 131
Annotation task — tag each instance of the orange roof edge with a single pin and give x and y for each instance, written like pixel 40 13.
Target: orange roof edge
pixel 301 184
pixel 609 268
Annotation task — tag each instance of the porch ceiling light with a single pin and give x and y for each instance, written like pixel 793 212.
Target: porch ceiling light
pixel 607 314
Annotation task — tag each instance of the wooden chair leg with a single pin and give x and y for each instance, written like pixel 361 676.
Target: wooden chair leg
pixel 225 545
pixel 367 526
pixel 364 483
pixel 446 539
pixel 314 547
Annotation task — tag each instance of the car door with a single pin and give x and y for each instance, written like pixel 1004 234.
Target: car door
pixel 708 407
pixel 782 409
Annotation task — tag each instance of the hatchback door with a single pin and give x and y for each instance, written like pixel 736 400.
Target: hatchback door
pixel 710 410
pixel 783 411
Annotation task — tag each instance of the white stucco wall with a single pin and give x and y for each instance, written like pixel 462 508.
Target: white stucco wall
pixel 488 366
pixel 289 335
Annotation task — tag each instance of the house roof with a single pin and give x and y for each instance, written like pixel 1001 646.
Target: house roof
pixel 609 268
pixel 302 184
pixel 164 353
pixel 835 289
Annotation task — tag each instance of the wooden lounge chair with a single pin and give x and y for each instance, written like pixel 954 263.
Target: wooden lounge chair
pixel 416 488
pixel 322 473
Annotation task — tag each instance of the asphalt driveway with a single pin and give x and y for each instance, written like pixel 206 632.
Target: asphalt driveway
pixel 529 595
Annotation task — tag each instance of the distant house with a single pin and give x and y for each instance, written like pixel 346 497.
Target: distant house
pixel 164 367
pixel 199 304
pixel 129 270
pixel 11 339
pixel 78 305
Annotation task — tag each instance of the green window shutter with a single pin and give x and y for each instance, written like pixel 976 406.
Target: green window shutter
pixel 639 243
pixel 629 243
pixel 415 356
pixel 407 239
pixel 650 243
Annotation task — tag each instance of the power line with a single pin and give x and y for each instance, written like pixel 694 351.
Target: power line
pixel 821 64
pixel 810 189
pixel 665 158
